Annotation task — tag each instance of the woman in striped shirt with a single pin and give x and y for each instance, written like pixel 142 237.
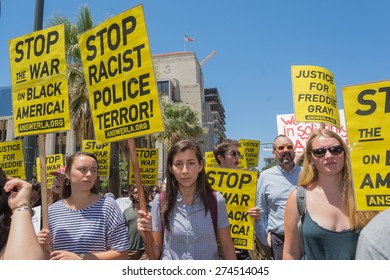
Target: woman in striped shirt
pixel 84 224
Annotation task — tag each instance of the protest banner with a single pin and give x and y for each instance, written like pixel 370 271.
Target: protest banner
pixel 102 153
pixel 120 78
pixel 251 150
pixel 367 109
pixel 148 165
pixel 299 132
pixel 314 94
pixel 210 160
pixel 53 163
pixel 40 100
pixel 238 187
pixel 122 87
pixel 39 82
pixel 12 159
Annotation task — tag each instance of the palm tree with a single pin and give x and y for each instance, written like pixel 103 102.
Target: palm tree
pixel 180 122
pixel 80 110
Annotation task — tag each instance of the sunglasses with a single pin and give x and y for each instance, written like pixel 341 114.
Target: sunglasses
pixel 334 150
pixel 234 153
pixel 281 148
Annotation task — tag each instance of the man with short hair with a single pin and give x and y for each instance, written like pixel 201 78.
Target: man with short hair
pixel 273 189
pixel 227 155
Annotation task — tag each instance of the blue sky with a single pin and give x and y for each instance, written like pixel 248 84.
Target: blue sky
pixel 256 44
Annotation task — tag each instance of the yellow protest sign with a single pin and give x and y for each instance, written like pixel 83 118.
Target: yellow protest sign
pixel 39 82
pixel 314 93
pixel 102 153
pixel 11 159
pixel 53 163
pixel 251 151
pixel 148 166
pixel 210 160
pixel 238 187
pixel 367 111
pixel 120 78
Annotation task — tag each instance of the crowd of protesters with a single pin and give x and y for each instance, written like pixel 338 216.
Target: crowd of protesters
pixel 301 212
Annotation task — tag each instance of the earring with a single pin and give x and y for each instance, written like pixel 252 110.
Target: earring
pixel 67 182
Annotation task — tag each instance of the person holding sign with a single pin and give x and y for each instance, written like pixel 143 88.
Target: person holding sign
pixel 273 189
pixel 330 222
pixel 227 155
pixel 182 225
pixel 84 224
pixel 17 235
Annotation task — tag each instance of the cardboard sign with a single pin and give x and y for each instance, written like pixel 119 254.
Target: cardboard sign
pixel 210 160
pixel 148 165
pixel 39 82
pixel 314 93
pixel 251 150
pixel 238 187
pixel 53 163
pixel 102 153
pixel 367 112
pixel 299 132
pixel 12 159
pixel 120 78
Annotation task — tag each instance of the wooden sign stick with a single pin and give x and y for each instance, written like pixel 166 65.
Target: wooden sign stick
pixel 141 196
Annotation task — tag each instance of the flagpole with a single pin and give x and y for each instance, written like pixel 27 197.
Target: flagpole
pixel 184 44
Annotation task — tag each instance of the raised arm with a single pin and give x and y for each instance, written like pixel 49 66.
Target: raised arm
pixel 22 242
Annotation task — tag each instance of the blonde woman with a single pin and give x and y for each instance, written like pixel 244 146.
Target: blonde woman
pixel 331 224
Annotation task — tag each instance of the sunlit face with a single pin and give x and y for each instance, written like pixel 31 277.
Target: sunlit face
pixel 329 163
pixel 83 173
pixel 186 168
pixel 284 150
pixel 231 158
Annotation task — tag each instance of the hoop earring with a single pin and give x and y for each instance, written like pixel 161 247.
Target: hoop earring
pixel 67 182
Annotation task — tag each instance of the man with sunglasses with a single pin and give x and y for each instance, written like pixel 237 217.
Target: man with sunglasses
pixel 273 189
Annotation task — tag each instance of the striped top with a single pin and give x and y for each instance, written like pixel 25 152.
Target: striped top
pixel 97 228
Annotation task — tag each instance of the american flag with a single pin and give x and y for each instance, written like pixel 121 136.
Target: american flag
pixel 188 39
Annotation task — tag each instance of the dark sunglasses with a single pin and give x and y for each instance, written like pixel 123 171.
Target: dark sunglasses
pixel 234 153
pixel 281 148
pixel 334 150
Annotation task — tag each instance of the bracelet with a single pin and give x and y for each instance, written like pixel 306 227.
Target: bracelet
pixel 23 206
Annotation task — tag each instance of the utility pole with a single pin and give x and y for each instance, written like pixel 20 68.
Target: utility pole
pixel 29 142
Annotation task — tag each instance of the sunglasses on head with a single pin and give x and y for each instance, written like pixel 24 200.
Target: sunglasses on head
pixel 334 150
pixel 281 148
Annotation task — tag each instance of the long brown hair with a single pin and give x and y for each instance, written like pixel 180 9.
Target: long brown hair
pixel 67 190
pixel 172 189
pixel 308 175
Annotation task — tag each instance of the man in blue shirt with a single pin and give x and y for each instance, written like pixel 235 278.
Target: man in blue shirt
pixel 273 189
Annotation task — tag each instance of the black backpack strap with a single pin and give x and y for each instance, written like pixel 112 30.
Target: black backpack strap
pixel 212 197
pixel 301 200
pixel 301 204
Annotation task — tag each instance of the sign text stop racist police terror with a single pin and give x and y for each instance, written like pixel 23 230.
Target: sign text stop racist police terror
pixel 120 78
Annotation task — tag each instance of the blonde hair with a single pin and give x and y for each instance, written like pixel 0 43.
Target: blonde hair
pixel 308 175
